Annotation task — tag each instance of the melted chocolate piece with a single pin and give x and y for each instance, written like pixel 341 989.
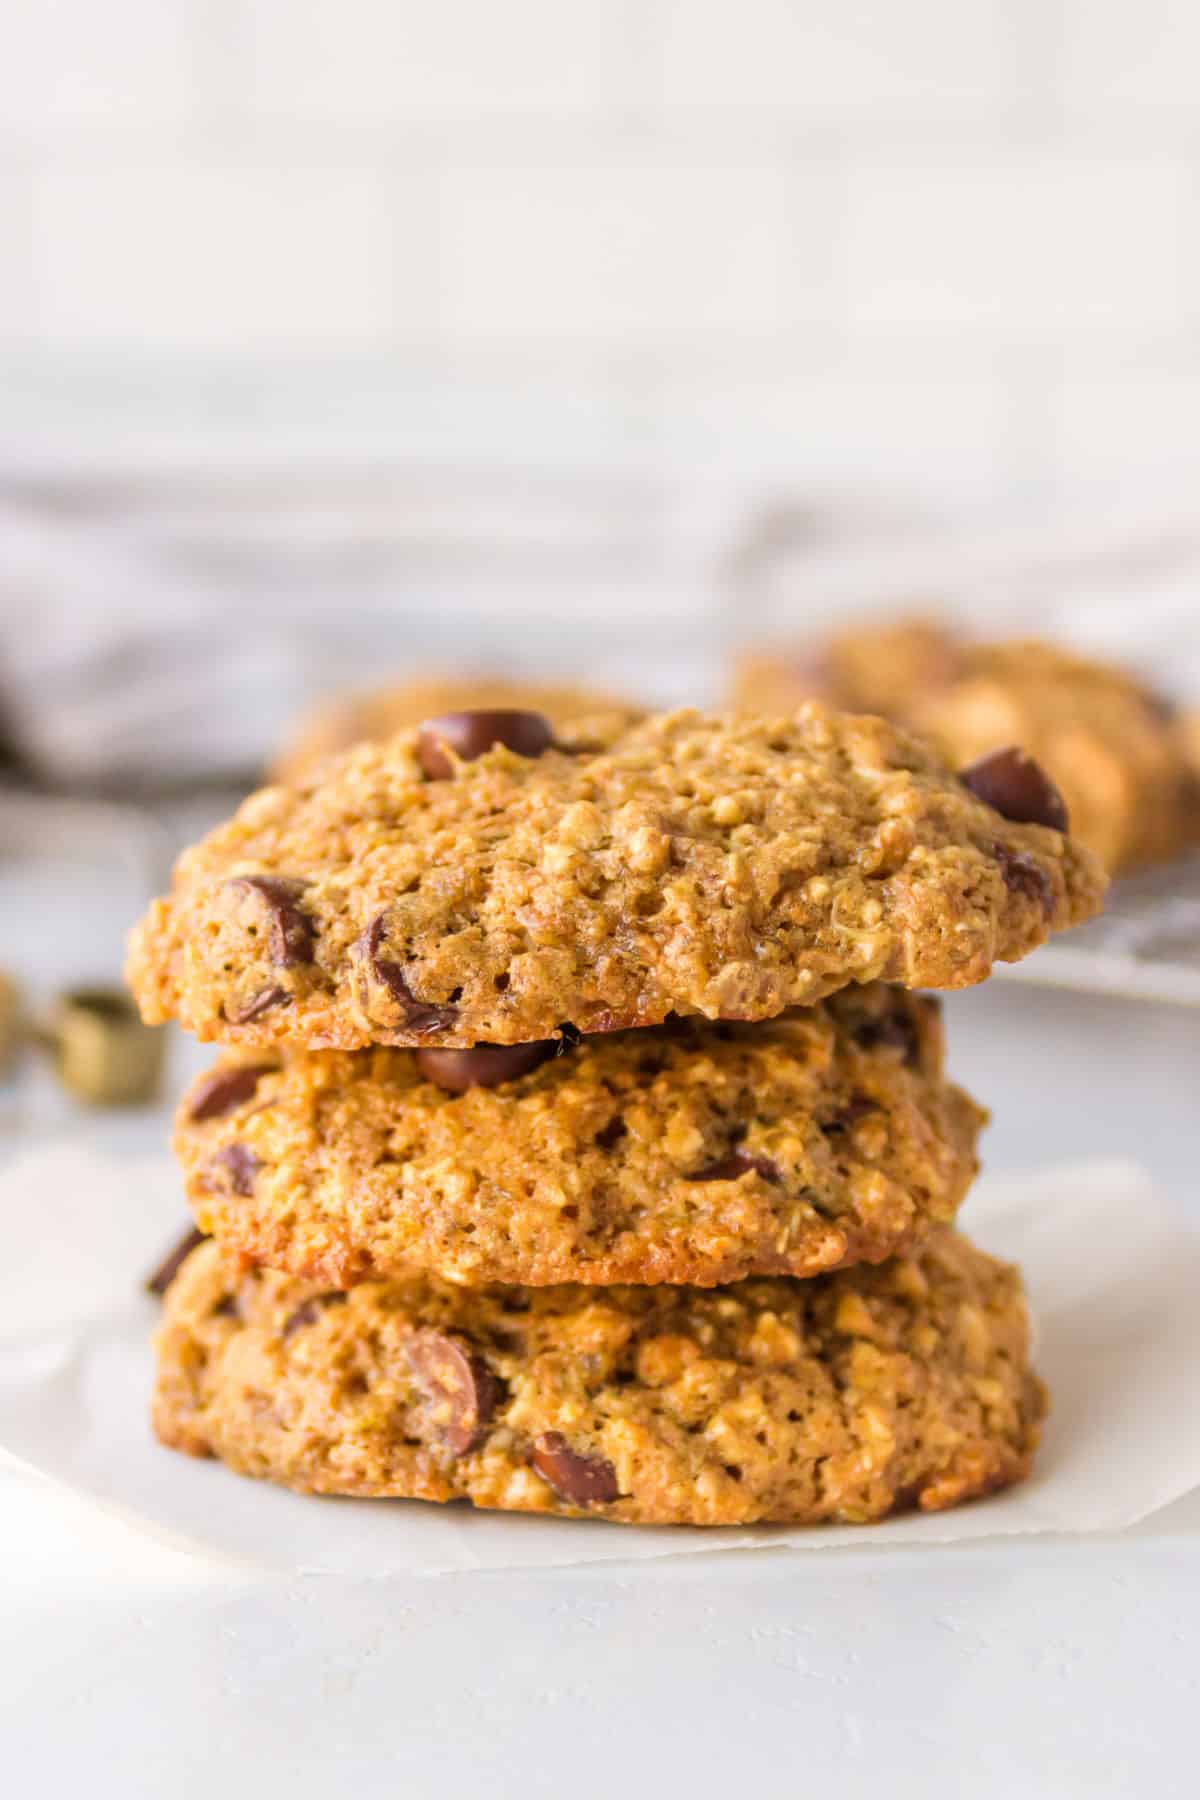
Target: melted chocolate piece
pixel 225 1090
pixel 238 1166
pixel 484 1065
pixel 738 1162
pixel 460 1392
pixel 309 1311
pixel 421 1016
pixel 469 735
pixel 583 1480
pixel 1023 876
pixel 290 930
pixel 1018 787
pixel 610 1135
pixel 258 1004
pixel 895 1031
pixel 158 1283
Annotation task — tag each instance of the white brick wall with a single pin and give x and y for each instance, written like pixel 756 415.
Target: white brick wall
pixel 839 62
pixel 629 250
pixel 69 66
pixel 1017 242
pixel 384 62
pixel 192 253
pixel 949 244
pixel 1145 55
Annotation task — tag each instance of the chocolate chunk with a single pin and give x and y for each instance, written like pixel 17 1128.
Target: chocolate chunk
pixel 158 1283
pixel 290 934
pixel 737 1162
pixel 472 734
pixel 484 1065
pixel 238 1166
pixel 225 1090
pixel 1018 788
pixel 583 1480
pixel 895 1031
pixel 419 1015
pixel 1023 876
pixel 848 1114
pixel 258 1004
pixel 309 1311
pixel 460 1392
pixel 610 1135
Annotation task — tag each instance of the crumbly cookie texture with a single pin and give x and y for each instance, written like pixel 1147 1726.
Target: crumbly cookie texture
pixel 1113 746
pixel 692 1153
pixel 841 1398
pixel 578 714
pixel 724 867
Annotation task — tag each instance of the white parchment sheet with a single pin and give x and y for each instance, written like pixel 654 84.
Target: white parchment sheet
pixel 1114 1280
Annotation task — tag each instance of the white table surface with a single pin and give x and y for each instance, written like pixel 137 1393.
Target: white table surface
pixel 1025 1668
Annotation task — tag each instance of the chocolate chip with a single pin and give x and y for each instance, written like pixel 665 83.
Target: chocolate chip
pixel 848 1114
pixel 238 1166
pixel 484 1065
pixel 258 1004
pixel 308 1312
pixel 569 1038
pixel 612 1133
pixel 158 1283
pixel 735 1163
pixel 583 1480
pixel 290 939
pixel 896 1031
pixel 225 1089
pixel 1025 877
pixel 460 1392
pixel 419 1015
pixel 1018 788
pixel 472 734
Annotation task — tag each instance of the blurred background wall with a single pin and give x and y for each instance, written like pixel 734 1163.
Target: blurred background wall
pixel 947 247
pixel 341 337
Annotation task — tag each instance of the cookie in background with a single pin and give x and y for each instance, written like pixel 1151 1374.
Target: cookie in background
pixel 374 713
pixel 1127 764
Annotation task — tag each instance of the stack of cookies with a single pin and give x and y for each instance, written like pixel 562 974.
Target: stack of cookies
pixel 580 1143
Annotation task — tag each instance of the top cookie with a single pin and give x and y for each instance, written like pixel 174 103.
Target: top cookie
pixel 724 867
pixel 381 712
pixel 1113 746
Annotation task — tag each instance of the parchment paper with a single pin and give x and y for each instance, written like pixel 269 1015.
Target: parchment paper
pixel 1114 1280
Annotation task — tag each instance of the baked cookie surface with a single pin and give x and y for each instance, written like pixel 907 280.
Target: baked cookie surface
pixel 729 868
pixel 691 1153
pixel 380 712
pixel 841 1398
pixel 1113 746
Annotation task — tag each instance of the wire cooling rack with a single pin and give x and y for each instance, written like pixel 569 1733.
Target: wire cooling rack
pixel 1144 946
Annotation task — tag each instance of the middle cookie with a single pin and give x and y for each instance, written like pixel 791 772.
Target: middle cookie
pixel 692 1152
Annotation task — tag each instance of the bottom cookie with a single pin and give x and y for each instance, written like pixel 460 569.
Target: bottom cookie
pixel 843 1397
